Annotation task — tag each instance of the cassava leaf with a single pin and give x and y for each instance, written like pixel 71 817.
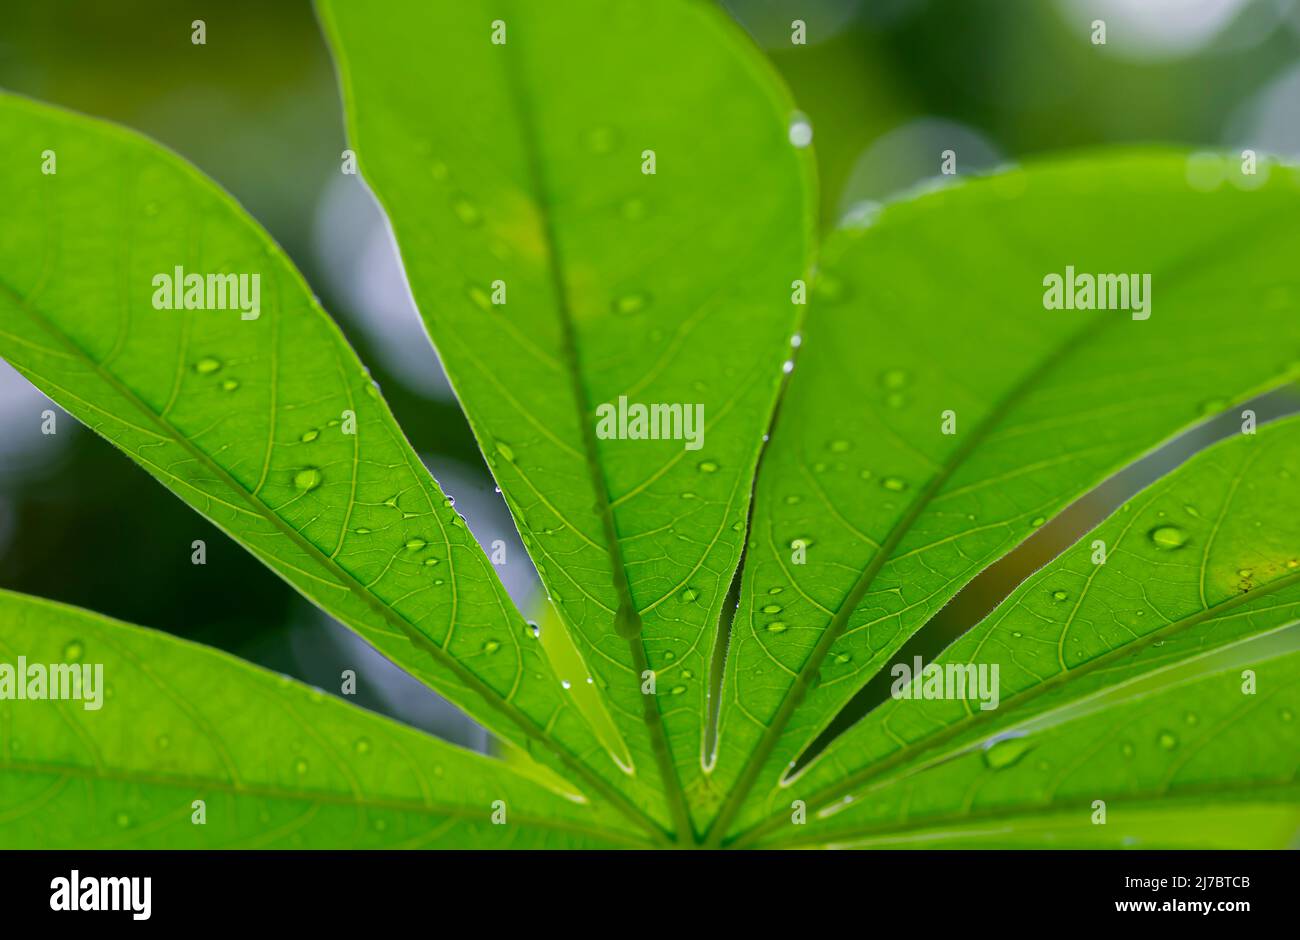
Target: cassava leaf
pixel 1202 567
pixel 895 515
pixel 1196 764
pixel 276 764
pixel 247 419
pixel 528 186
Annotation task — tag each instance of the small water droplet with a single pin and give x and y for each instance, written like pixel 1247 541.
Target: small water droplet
pixel 300 766
pixel 775 590
pixel 491 646
pixel 690 594
pixel 1286 714
pixel 1167 740
pixel 1191 718
pixel 1127 749
pixel 631 303
pixel 307 479
pixel 839 446
pixel 415 544
pixel 1167 537
pixel 207 365
pixel 1037 521
pixel 566 684
pixel 842 658
pixel 776 626
pixel 894 378
pixel 229 385
pixel 708 466
pixel 801 131
pixel 894 484
pixel 309 436
pixel 73 651
pixel 505 451
pixel 362 746
pixel 678 690
pixel 1059 595
pixel 430 562
pixel 123 820
pixel 465 210
pixel 1006 752
pixel 163 742
pixel 772 609
pixel 633 210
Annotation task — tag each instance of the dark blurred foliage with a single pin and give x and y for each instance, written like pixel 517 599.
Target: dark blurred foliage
pixel 886 84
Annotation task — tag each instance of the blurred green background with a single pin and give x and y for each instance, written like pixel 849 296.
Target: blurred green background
pixel 887 85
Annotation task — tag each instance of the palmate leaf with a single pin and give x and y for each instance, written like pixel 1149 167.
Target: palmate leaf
pixel 246 419
pixel 276 764
pixel 673 287
pixel 939 307
pixel 1119 681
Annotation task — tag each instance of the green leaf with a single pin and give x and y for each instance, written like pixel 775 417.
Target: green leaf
pixel 247 419
pixel 667 288
pixel 275 763
pixel 896 515
pixel 1201 574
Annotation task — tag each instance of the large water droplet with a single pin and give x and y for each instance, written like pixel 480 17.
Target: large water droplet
pixel 1006 752
pixel 308 478
pixel 801 131
pixel 1167 537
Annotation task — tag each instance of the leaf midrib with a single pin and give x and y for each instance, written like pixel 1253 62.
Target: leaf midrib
pixel 340 574
pixel 627 610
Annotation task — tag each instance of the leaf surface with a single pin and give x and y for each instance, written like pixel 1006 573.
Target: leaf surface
pixel 672 288
pixel 277 764
pixel 247 419
pixel 897 515
pixel 1102 668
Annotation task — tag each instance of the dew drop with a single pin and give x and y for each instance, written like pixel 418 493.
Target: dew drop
pixel 679 690
pixel 690 594
pixel 123 820
pixel 793 499
pixel 894 378
pixel 1167 740
pixel 894 484
pixel 801 132
pixel 466 211
pixel 163 742
pixel 307 479
pixel 504 450
pixel 839 447
pixel 362 746
pixel 775 590
pixel 1037 521
pixel 309 436
pixel 776 626
pixel 630 303
pixel 300 766
pixel 772 609
pixel 1127 749
pixel 1059 595
pixel 1286 714
pixel 207 365
pixel 415 544
pixel 1167 537
pixel 229 385
pixel 430 562
pixel 491 646
pixel 842 658
pixel 73 651
pixel 708 466
pixel 1006 752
